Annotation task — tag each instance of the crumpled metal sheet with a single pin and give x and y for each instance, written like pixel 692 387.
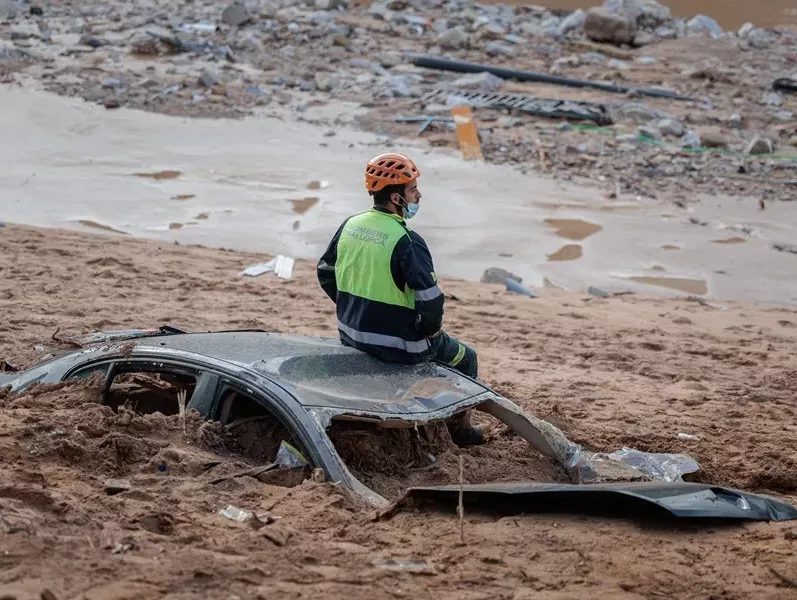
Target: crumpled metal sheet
pixel 630 500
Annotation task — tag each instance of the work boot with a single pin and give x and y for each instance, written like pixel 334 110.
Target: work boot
pixel 462 432
pixel 468 435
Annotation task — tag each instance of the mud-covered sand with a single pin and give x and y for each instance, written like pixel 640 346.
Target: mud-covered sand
pixel 618 371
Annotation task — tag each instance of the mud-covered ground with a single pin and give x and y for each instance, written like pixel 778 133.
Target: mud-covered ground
pixel 619 371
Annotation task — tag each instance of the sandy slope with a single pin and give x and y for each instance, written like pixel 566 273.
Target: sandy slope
pixel 625 370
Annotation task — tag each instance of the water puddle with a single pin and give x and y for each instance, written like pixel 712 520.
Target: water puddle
pixel 305 204
pixel 568 252
pixel 690 286
pixel 100 226
pixel 573 229
pixel 160 175
pixel 733 240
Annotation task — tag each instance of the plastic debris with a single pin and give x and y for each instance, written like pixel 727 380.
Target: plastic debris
pixel 659 467
pixel 284 267
pixel 289 457
pixel 400 564
pixel 233 513
pixel 514 286
pixel 198 27
pixel 281 265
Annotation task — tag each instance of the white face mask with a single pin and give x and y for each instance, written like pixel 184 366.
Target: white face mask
pixel 410 210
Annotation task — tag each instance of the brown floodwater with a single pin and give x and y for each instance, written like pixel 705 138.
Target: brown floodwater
pixel 573 229
pixel 568 252
pixel 731 14
pixel 690 286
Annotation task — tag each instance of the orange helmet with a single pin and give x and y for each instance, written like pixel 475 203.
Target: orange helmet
pixel 389 169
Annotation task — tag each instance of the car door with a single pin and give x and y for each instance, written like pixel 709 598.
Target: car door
pixel 147 385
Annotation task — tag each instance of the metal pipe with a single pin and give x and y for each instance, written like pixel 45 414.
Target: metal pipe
pixel 458 66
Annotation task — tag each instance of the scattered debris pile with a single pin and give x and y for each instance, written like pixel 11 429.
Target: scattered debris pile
pixel 206 60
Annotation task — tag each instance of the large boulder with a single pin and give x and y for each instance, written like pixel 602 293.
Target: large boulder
pixel 646 14
pixel 602 25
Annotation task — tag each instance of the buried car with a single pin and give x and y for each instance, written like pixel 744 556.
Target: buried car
pixel 303 386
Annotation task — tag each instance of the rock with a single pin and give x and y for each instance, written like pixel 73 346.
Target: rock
pixel 593 291
pixel 492 31
pixel 531 29
pixel 268 9
pixel 550 26
pixel 643 38
pixel 601 25
pixel 666 33
pixel 783 115
pixel 635 112
pixel 498 49
pixel 759 145
pixel 235 15
pixel 480 82
pixel 36 10
pixel 713 138
pixel 793 141
pixel 90 40
pixel 95 93
pixel 453 39
pixel 691 140
pixel 646 61
pixel 618 64
pixel 772 99
pixel 208 79
pixel 389 59
pixel 24 31
pixel 736 120
pixel 761 39
pixel 116 486
pixel 648 131
pixel 145 45
pixel 8 10
pixel 745 30
pixel 573 22
pixel 498 275
pixel 329 4
pixel 112 102
pixel 323 81
pixel 671 127
pixel 647 14
pixel 703 24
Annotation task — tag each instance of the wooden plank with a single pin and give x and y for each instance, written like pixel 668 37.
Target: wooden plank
pixel 467 134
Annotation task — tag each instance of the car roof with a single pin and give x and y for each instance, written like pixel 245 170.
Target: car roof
pixel 323 373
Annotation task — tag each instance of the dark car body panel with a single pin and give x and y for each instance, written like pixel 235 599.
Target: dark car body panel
pixel 643 499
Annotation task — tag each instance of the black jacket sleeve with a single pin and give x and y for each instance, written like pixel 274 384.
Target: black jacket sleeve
pixel 417 270
pixel 326 266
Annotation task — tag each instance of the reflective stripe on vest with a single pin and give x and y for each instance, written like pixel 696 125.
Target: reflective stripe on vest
pixel 365 248
pixel 390 341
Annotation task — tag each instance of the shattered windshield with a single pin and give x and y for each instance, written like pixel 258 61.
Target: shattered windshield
pixel 340 376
